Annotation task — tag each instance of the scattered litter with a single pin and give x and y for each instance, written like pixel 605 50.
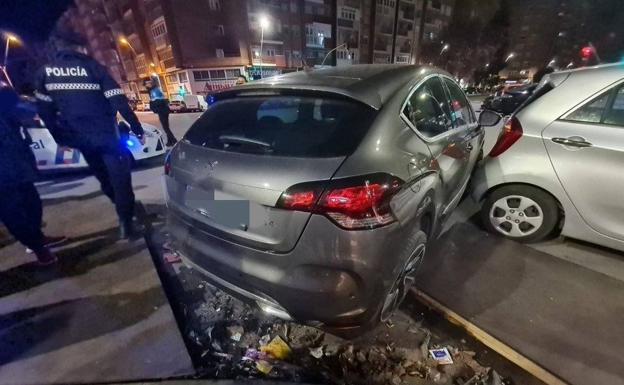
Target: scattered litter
pixel 171 257
pixel 389 324
pixel 254 355
pixel 414 329
pixel 222 355
pixel 277 348
pixel 167 246
pixel 264 366
pixel 495 378
pixel 442 356
pixel 424 346
pixel 235 332
pixel 316 352
pixel 265 339
pixel 200 286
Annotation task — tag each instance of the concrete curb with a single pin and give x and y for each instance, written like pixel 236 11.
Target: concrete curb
pixel 490 341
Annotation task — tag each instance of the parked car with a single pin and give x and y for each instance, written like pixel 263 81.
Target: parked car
pixel 315 194
pixel 177 106
pixel 50 156
pixel 557 164
pixel 506 101
pixel 142 105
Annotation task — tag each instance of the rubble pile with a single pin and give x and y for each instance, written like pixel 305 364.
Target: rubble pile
pixel 230 339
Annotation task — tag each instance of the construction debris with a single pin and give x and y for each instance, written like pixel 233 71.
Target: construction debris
pixel 233 340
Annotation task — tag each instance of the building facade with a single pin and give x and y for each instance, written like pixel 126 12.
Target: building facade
pixel 202 46
pixel 388 31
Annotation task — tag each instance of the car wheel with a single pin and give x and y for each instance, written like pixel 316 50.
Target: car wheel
pixel 519 212
pixel 414 255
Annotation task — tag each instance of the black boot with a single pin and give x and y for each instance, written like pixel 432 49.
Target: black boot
pixel 128 229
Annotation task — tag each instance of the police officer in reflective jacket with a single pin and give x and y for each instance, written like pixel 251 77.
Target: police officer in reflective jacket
pixel 78 101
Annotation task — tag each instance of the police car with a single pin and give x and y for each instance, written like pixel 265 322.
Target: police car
pixel 51 156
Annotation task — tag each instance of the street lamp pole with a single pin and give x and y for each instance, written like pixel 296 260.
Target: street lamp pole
pixel 264 22
pixel 329 53
pixel 9 39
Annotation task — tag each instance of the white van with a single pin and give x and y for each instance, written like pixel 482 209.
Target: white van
pixel 195 103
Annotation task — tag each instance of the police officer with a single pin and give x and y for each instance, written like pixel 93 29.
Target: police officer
pixel 160 106
pixel 78 101
pixel 20 204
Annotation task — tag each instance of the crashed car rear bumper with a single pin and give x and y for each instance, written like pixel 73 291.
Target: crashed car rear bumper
pixel 344 294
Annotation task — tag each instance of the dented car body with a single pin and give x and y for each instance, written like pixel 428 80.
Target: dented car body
pixel 314 194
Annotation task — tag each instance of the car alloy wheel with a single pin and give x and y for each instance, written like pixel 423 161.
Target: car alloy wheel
pixel 516 216
pixel 403 283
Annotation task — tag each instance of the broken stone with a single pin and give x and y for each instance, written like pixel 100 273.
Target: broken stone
pixel 235 332
pixel 316 352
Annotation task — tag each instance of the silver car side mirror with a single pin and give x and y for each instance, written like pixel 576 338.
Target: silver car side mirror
pixel 489 118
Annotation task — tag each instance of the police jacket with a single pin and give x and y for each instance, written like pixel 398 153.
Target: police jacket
pixel 17 161
pixel 78 101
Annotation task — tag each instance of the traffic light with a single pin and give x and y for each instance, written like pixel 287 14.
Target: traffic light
pixel 586 52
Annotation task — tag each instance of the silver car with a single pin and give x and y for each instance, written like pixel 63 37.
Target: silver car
pixel 558 164
pixel 314 194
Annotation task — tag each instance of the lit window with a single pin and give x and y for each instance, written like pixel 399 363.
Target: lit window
pixel 215 5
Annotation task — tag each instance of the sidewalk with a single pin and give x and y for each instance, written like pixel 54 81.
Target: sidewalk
pixel 563 317
pixel 101 316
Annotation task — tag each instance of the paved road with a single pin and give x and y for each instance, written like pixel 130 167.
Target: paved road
pixel 599 259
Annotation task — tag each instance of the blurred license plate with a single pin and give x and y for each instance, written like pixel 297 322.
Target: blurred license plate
pixel 223 209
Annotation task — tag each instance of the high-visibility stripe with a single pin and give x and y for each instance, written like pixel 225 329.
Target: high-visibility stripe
pixel 72 86
pixel 113 92
pixel 42 97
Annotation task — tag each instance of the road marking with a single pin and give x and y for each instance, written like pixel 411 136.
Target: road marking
pixel 490 341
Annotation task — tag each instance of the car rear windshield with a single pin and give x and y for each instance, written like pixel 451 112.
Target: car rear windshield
pixel 283 125
pixel 539 92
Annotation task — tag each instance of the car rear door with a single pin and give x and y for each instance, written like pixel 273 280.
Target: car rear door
pixel 586 147
pixel 427 110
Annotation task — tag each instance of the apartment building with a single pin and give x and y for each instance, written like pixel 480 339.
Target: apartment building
pixel 201 46
pixel 388 31
pixel 89 19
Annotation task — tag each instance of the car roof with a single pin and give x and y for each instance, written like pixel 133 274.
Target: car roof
pixel 572 88
pixel 372 84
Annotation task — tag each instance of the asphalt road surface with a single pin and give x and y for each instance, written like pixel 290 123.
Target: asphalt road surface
pixel 602 260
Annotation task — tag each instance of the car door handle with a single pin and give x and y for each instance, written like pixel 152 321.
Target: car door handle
pixel 572 141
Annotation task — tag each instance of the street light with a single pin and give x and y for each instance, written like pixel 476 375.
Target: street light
pixel 511 56
pixel 264 23
pixel 444 49
pixel 9 38
pixel 125 41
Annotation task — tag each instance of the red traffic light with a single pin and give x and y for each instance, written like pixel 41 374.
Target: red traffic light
pixel 586 52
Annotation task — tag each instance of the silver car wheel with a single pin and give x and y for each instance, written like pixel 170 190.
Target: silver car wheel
pixel 402 285
pixel 516 216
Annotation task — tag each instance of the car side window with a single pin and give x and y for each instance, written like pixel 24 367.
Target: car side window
pixel 592 111
pixel 615 114
pixel 461 111
pixel 427 109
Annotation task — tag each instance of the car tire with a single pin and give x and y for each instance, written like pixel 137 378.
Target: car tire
pixel 523 213
pixel 411 258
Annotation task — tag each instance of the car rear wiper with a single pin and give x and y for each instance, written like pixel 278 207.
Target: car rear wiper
pixel 241 140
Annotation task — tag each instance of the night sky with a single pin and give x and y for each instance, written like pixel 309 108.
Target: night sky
pixel 32 20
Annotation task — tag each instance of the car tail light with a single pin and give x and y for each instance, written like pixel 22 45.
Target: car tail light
pixel 512 131
pixel 168 164
pixel 352 203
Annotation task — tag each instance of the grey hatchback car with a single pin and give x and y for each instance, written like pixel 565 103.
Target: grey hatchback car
pixel 314 194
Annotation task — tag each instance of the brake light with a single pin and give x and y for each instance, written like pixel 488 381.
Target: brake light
pixel 352 203
pixel 512 131
pixel 167 164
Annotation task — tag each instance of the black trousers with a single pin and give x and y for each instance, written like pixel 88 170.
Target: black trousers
pixel 163 116
pixel 161 108
pixel 21 211
pixel 112 168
